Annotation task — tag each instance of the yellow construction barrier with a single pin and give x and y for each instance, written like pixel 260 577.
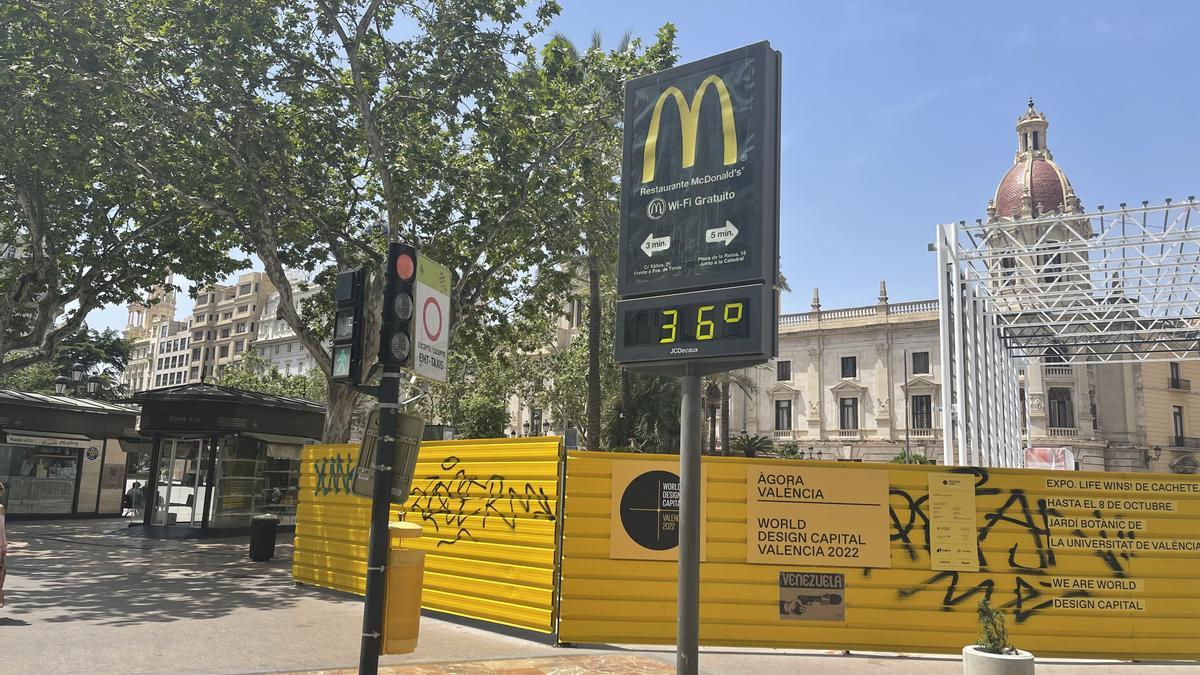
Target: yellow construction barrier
pixel 489 512
pixel 886 557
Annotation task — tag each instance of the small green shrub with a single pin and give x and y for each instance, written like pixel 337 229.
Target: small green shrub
pixel 993 634
pixel 751 445
pixel 911 458
pixel 789 449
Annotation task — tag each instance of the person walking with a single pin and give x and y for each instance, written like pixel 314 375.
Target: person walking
pixel 3 543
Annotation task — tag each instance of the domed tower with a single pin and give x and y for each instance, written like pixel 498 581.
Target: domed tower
pixel 1035 185
pixel 1023 213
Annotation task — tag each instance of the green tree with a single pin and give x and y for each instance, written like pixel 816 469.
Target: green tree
pixel 255 373
pixel 102 353
pixel 595 80
pixel 313 132
pixel 80 227
pixel 475 401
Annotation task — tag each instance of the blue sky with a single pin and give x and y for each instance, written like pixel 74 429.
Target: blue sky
pixel 899 115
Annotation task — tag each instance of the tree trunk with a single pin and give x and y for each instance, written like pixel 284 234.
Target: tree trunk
pixel 623 437
pixel 712 429
pixel 593 374
pixel 725 417
pixel 339 411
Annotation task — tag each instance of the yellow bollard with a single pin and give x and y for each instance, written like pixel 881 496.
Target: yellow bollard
pixel 402 603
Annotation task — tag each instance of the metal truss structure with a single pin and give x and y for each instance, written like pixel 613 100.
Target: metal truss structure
pixel 1066 288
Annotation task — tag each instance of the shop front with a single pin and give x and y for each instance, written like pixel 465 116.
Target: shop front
pixel 62 456
pixel 215 457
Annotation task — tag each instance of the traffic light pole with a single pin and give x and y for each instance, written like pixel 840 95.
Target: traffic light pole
pixel 687 637
pixel 377 553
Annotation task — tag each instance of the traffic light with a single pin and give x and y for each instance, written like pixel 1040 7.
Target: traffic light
pixel 395 337
pixel 348 326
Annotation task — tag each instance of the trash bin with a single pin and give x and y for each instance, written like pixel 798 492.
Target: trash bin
pixel 262 537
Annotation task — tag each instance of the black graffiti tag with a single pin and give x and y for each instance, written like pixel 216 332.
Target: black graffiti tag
pixel 449 501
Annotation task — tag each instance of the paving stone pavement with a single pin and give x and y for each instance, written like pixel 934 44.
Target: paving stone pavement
pixel 89 596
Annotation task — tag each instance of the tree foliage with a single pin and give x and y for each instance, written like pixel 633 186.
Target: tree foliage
pixel 255 373
pixel 80 226
pixel 102 353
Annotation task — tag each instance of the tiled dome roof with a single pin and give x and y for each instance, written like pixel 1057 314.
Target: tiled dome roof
pixel 1034 185
pixel 1048 187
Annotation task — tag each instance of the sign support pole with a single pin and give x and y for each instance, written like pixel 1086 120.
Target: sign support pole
pixel 377 553
pixel 687 638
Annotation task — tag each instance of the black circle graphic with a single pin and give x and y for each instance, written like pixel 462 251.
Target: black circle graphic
pixel 650 510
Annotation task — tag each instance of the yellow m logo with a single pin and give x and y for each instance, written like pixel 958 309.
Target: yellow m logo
pixel 689 117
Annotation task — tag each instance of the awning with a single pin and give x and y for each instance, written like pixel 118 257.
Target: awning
pixel 281 447
pixel 60 440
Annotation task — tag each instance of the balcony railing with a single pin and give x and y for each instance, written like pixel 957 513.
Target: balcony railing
pixel 918 307
pixel 1057 431
pixel 922 433
pixel 1059 371
pixel 1181 385
pixel 848 434
pixel 1186 442
pixel 783 434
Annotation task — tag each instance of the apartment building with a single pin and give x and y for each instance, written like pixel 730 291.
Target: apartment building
pixel 224 323
pixel 146 326
pixel 278 343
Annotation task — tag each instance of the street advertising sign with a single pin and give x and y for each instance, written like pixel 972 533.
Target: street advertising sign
pixel 700 212
pixel 431 333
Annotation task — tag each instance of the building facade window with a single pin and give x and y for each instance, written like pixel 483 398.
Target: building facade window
pixel 1176 376
pixel 224 332
pixel 240 328
pixel 1062 413
pixel 920 363
pixel 224 351
pixel 922 412
pixel 1177 424
pixel 848 414
pixel 783 371
pixel 239 347
pixel 849 366
pixel 783 415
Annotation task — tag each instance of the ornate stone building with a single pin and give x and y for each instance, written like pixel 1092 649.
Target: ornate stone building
pixel 840 390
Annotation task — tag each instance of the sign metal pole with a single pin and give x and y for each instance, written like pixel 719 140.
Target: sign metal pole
pixel 377 553
pixel 687 638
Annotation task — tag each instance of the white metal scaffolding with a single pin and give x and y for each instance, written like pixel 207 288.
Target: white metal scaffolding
pixel 1067 288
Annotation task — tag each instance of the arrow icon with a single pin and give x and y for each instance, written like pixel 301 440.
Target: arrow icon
pixel 722 235
pixel 654 245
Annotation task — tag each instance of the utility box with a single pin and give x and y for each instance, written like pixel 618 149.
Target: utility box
pixel 402 602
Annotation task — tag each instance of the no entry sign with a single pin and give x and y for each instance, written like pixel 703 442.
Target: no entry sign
pixel 431 295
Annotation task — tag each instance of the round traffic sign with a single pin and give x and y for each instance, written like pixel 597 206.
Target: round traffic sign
pixel 432 324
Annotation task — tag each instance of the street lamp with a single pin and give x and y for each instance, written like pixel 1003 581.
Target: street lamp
pixel 1153 455
pixel 545 428
pixel 525 426
pixel 77 381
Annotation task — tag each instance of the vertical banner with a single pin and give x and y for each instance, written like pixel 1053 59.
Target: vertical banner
pixel 952 522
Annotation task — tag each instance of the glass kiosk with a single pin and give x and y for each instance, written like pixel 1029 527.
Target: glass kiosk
pixel 221 456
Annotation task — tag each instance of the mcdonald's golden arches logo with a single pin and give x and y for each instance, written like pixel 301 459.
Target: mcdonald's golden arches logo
pixel 689 118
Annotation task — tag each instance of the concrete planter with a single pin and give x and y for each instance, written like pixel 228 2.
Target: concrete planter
pixel 977 662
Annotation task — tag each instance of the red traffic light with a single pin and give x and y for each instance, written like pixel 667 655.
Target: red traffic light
pixel 405 266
